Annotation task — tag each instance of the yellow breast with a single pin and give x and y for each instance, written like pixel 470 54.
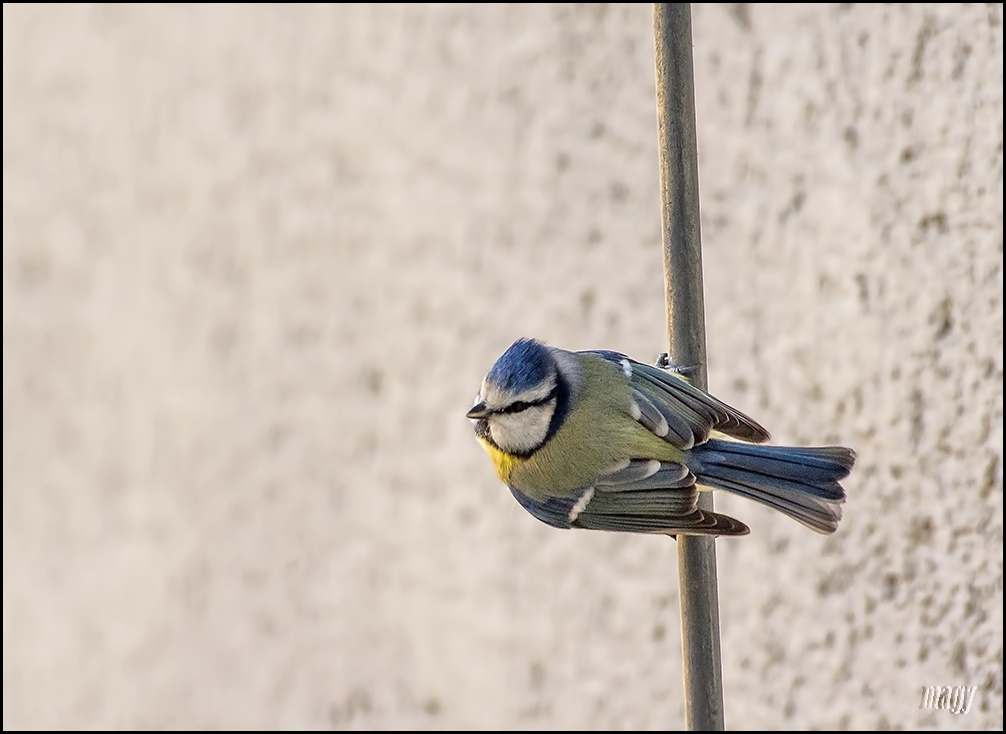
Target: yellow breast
pixel 503 462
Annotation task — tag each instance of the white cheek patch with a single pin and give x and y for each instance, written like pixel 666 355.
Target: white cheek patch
pixel 523 432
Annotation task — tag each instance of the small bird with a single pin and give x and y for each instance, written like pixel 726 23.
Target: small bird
pixel 597 440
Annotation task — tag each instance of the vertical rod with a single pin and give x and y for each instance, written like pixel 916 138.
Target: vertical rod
pixel 679 195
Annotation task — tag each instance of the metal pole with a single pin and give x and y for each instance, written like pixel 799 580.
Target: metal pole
pixel 679 195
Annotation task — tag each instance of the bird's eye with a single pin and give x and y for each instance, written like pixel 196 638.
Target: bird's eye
pixel 516 407
pixel 520 405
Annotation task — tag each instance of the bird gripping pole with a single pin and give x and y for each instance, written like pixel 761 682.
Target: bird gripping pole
pixel 679 200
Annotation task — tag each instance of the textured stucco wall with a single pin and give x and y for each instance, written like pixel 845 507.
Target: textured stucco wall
pixel 256 261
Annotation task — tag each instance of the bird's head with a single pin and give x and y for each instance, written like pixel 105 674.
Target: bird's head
pixel 514 408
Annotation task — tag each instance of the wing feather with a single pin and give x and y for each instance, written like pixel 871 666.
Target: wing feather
pixel 644 496
pixel 691 414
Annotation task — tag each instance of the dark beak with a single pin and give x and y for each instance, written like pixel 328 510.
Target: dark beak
pixel 478 411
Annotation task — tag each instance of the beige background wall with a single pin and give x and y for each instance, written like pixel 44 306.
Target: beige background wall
pixel 256 261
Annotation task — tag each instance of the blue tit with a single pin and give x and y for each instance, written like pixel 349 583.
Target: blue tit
pixel 597 440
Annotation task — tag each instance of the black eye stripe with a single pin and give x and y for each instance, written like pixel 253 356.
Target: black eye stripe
pixel 521 405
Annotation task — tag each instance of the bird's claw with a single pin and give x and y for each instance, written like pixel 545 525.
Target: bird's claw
pixel 664 363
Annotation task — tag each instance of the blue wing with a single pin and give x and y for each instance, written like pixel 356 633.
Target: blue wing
pixel 643 497
pixel 677 411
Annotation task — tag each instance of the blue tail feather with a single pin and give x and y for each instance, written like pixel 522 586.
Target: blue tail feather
pixel 802 483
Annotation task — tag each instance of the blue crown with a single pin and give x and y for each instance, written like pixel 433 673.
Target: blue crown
pixel 526 364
